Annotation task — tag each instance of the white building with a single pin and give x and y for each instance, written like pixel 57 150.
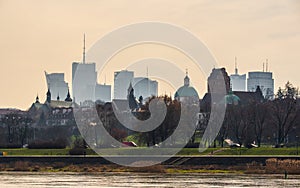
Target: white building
pixel 262 79
pixel 144 87
pixel 57 85
pixel 237 81
pixel 122 80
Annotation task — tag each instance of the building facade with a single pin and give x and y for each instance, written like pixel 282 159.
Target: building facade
pixel 145 87
pixel 84 79
pixel 56 83
pixel 264 80
pixel 237 81
pixel 122 80
pixel 103 92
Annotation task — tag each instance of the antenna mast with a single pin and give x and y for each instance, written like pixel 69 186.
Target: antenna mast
pixel 236 69
pixel 83 59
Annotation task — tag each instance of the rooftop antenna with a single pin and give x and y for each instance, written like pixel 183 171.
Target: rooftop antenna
pixel 147 72
pixel 263 66
pixel 105 80
pixel 267 65
pixel 83 59
pixel 236 69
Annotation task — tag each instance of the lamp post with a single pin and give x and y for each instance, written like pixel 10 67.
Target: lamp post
pixel 297 144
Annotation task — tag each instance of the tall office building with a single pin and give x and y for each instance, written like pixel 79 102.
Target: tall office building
pixel 264 80
pixel 122 80
pixel 84 82
pixel 144 87
pixel 103 92
pixel 57 85
pixel 237 81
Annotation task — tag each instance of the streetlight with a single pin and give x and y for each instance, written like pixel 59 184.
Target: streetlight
pixel 297 142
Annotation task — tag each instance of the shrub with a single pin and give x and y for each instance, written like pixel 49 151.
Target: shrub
pixel 280 166
pixel 21 166
pixel 77 151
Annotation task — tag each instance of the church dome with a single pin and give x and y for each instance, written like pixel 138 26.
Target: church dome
pixel 186 90
pixel 232 99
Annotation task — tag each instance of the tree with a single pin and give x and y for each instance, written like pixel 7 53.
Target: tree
pixel 255 119
pixel 260 114
pixel 284 111
pixel 17 126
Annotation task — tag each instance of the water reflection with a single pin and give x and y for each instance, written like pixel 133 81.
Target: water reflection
pixel 33 180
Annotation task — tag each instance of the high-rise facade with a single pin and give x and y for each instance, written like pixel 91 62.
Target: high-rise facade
pixel 84 80
pixel 144 87
pixel 237 81
pixel 103 92
pixel 122 80
pixel 264 80
pixel 57 85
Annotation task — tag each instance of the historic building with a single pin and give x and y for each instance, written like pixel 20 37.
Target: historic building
pixel 186 92
pixel 219 86
pixel 52 112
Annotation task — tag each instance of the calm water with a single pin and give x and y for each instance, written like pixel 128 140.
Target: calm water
pixel 32 180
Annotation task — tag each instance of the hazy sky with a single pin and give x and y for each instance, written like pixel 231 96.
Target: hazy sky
pixel 47 35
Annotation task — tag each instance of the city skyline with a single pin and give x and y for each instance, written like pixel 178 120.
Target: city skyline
pixel 251 31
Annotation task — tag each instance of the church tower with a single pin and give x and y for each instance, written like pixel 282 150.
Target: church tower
pixel 48 96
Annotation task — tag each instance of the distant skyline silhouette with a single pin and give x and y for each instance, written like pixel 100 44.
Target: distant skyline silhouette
pixel 47 36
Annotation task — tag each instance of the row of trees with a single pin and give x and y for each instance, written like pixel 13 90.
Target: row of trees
pixel 270 121
pixel 273 122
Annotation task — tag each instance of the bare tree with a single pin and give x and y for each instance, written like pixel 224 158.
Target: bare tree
pixel 284 111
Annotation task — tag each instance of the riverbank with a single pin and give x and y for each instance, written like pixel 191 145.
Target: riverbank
pixel 264 151
pixel 239 165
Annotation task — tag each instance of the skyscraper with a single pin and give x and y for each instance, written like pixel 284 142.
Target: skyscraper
pixel 84 79
pixel 264 80
pixel 84 82
pixel 103 92
pixel 237 81
pixel 144 87
pixel 57 85
pixel 122 80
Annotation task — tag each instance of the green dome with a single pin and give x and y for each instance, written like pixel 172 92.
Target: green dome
pixel 186 91
pixel 232 99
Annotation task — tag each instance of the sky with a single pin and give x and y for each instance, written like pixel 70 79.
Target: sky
pixel 38 36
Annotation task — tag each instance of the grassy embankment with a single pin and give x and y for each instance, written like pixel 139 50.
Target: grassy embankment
pixel 186 151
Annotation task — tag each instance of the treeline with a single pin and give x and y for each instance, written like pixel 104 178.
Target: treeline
pixel 274 122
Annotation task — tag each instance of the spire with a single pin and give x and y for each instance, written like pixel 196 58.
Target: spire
pixel 83 58
pixel 68 99
pixel 48 96
pixel 37 100
pixel 236 69
pixel 130 88
pixel 267 65
pixel 186 79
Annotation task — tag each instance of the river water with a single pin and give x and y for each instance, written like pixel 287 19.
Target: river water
pixel 61 180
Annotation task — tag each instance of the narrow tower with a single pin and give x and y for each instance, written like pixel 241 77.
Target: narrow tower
pixel 48 96
pixel 236 69
pixel 83 58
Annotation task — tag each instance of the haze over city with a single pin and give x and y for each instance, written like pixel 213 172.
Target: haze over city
pixel 47 36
